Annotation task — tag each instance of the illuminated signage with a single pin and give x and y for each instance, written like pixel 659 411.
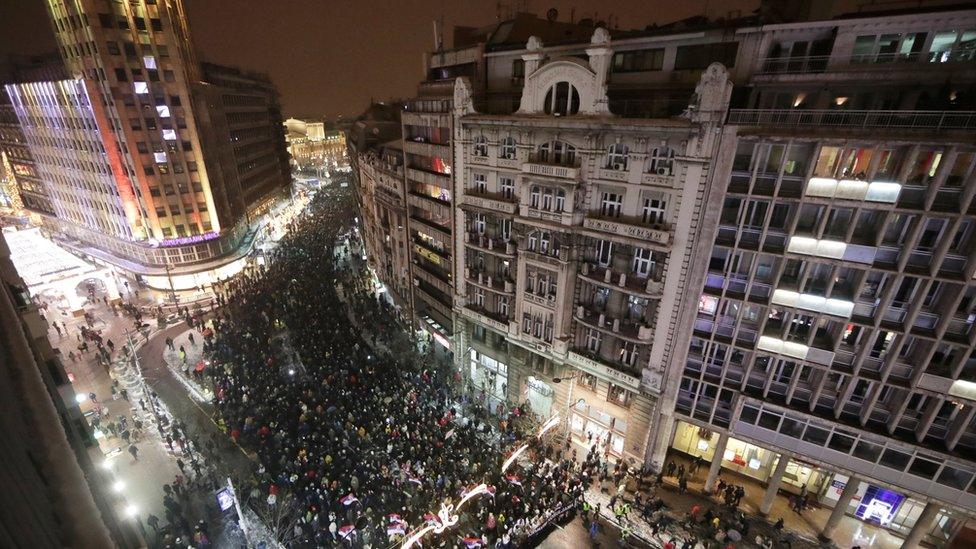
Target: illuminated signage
pixel 184 240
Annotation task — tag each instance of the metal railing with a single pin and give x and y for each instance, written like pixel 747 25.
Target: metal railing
pixel 795 65
pixel 919 120
pixel 819 63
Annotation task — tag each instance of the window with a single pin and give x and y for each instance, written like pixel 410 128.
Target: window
pixel 169 135
pixel 617 157
pixel 610 204
pixel 593 338
pixel 479 223
pixel 140 88
pixel 661 161
pixel 560 200
pixel 639 60
pixel 505 226
pixel 700 56
pixel 618 395
pixel 534 195
pixel 508 187
pixel 652 213
pixel 507 148
pixel 141 147
pixel 105 20
pixel 162 111
pixel 562 99
pixel 604 252
pixel 547 200
pixel 113 47
pixel 480 146
pixel 481 183
pixel 642 262
pixel 479 297
pixel 503 306
pixel 149 61
pixel 518 69
pixel 557 152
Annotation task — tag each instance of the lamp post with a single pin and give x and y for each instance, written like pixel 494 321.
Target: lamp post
pixel 570 404
pixel 169 277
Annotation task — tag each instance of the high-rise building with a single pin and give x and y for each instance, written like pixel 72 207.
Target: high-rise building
pixel 152 161
pixel 790 300
pixel 54 495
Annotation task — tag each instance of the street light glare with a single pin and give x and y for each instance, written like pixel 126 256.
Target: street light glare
pixel 80 398
pixel 291 372
pixel 118 486
pixel 131 510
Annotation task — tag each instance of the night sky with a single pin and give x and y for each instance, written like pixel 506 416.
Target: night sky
pixel 329 57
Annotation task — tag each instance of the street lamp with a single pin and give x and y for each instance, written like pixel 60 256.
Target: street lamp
pixel 118 486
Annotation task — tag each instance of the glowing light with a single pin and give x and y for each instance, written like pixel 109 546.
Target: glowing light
pixel 79 398
pixel 553 421
pixel 511 459
pixel 131 510
pixel 107 465
pixel 291 372
pixel 118 486
pixel 416 537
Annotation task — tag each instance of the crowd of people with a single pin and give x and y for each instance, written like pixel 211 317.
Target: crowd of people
pixel 362 446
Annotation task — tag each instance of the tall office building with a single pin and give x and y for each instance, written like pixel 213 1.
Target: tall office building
pixel 53 496
pixel 152 161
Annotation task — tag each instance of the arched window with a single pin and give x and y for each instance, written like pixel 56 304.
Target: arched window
pixel 557 152
pixel 480 146
pixel 507 148
pixel 617 156
pixel 562 99
pixel 661 161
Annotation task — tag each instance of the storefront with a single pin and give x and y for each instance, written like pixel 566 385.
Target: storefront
pixel 591 425
pixel 540 396
pixel 490 377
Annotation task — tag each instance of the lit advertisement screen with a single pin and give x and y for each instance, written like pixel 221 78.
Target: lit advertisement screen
pixel 879 505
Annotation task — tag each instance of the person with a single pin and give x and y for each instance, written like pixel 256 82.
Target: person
pixel 134 451
pixel 594 529
pixel 153 521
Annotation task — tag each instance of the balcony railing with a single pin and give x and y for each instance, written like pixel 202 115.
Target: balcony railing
pixel 917 120
pixel 624 329
pixel 795 65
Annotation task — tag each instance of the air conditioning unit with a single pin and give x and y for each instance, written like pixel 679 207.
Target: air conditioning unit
pixel 508 156
pixel 618 166
pixel 662 171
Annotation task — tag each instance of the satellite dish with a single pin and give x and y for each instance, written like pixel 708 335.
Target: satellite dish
pixel 552 14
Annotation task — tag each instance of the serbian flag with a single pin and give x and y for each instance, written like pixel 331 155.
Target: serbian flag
pixel 449 434
pixel 344 531
pixel 394 518
pixel 431 519
pixel 415 480
pixel 348 499
pixel 471 543
pixel 397 527
pixel 491 490
pixel 513 479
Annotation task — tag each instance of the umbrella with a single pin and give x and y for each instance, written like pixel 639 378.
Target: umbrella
pixel 734 535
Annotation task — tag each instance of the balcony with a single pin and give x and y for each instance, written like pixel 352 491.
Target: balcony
pixel 624 329
pixel 438 228
pixel 620 373
pixel 495 246
pixel 493 282
pixel 421 148
pixel 548 300
pixel 436 207
pixel 537 166
pixel 425 117
pixel 855 119
pixel 663 177
pixel 656 233
pixel 625 282
pixel 429 274
pixel 491 202
pixel 795 65
pixel 481 316
pixel 556 256
pixel 436 179
pixel 561 218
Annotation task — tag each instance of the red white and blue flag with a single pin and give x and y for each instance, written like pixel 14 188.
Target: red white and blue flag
pixel 472 543
pixel 415 480
pixel 513 479
pixel 348 499
pixel 431 519
pixel 394 517
pixel 396 528
pixel 344 531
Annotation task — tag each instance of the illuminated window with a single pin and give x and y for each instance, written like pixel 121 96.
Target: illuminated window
pixel 163 111
pixel 160 157
pixel 169 135
pixel 149 62
pixel 140 88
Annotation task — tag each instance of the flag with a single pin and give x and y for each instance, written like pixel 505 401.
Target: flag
pixel 348 499
pixel 471 543
pixel 415 480
pixel 449 434
pixel 344 531
pixel 431 519
pixel 397 527
pixel 491 490
pixel 513 479
pixel 394 517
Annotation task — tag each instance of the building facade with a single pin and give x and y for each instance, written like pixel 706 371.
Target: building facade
pixel 312 147
pixel 56 497
pixel 168 157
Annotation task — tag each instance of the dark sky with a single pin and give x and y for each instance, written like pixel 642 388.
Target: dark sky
pixel 329 57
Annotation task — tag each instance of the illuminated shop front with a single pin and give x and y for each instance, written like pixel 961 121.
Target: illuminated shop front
pixel 194 280
pixel 490 378
pixel 587 420
pixel 540 396
pixel 873 504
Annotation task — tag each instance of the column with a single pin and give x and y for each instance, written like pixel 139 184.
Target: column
pixel 922 525
pixel 716 465
pixel 773 485
pixel 846 495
